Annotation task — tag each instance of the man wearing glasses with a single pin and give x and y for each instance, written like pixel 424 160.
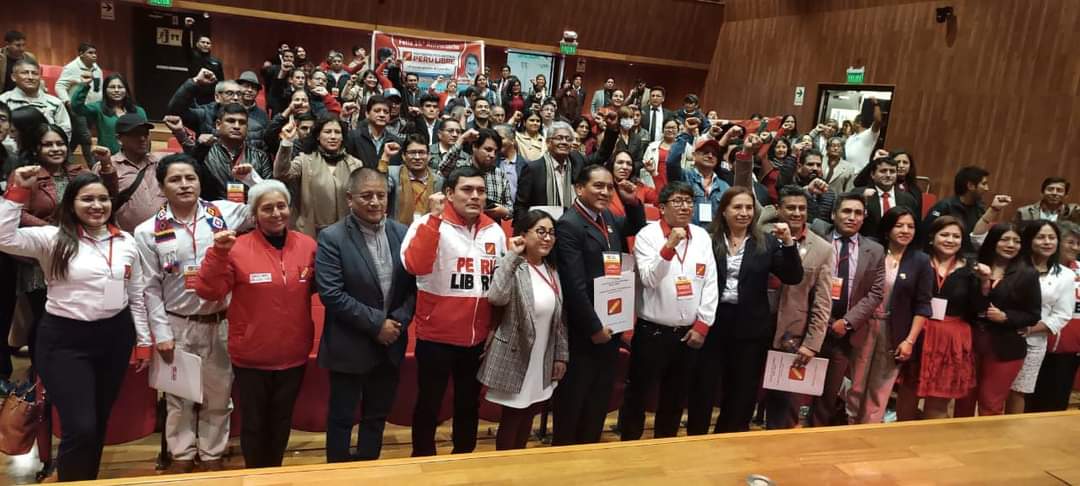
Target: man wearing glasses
pixel 413 182
pixel 201 117
pixel 679 297
pixel 548 181
pixel 447 131
pixel 369 299
pixel 708 186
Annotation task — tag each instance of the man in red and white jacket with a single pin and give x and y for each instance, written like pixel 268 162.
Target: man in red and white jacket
pixel 452 251
pixel 677 305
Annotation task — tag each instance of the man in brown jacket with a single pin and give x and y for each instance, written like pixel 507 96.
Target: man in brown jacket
pixel 1052 206
pixel 802 316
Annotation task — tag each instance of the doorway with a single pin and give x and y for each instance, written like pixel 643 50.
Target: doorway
pixel 160 40
pixel 843 102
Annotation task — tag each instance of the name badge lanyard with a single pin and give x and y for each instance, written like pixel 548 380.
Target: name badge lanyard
pixel 108 258
pixel 603 230
pixel 549 279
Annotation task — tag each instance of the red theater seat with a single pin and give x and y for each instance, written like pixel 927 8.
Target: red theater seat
pixel 928 201
pixel 622 368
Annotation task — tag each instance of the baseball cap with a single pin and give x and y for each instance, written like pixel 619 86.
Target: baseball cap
pixel 707 143
pixel 250 78
pixel 130 121
pixel 391 93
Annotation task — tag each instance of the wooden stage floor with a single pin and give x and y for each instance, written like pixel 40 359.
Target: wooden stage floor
pixel 1017 449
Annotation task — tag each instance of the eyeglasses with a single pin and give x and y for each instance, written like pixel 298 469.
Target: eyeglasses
pixel 371 196
pixel 544 233
pixel 416 154
pixel 231 93
pixel 563 138
pixel 675 203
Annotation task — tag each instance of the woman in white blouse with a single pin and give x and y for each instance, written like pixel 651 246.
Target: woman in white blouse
pixel 94 312
pixel 1040 247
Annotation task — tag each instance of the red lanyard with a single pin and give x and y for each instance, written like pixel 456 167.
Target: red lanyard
pixel 108 258
pixel 191 231
pixel 549 279
pixel 948 271
pixel 685 248
pixel 603 231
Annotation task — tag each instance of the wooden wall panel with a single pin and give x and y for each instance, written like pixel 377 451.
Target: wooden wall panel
pixel 1002 91
pixel 55 28
pixel 676 29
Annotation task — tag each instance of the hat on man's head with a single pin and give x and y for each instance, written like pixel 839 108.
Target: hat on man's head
pixel 391 93
pixel 250 78
pixel 130 121
pixel 707 143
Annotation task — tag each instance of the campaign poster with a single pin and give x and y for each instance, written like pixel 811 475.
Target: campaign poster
pixel 431 58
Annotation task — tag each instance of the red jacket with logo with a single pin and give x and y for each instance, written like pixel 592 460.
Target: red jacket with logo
pixel 270 326
pixel 453 265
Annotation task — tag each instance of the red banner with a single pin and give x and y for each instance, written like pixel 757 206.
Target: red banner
pixel 431 58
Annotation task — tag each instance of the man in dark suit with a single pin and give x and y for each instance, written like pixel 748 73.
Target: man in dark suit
pixel 881 195
pixel 857 287
pixel 369 299
pixel 548 181
pixel 588 235
pixel 579 89
pixel 653 115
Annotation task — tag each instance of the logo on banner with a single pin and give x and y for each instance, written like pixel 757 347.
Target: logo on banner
pixel 614 306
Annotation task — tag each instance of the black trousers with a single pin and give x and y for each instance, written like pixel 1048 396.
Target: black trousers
pixel 266 401
pixel 375 389
pixel 1055 382
pixel 733 368
pixel 659 357
pixel 82 366
pixel 435 363
pixel 8 276
pixel 824 410
pixel 580 404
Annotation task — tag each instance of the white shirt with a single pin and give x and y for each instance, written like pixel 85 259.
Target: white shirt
pixel 533 388
pixel 659 301
pixel 730 294
pixel 859 147
pixel 165 290
pixel 881 198
pixel 102 263
pixel 72 76
pixel 656 122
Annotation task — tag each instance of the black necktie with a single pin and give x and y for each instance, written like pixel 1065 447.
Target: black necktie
pixel 656 124
pixel 840 306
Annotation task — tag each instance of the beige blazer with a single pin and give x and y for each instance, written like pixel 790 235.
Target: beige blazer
pixel 804 309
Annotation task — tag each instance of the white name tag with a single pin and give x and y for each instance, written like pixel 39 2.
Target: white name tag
pixel 705 212
pixel 115 294
pixel 258 278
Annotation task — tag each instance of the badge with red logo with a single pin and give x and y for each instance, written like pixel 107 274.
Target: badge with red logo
pixel 489 248
pixel 614 306
pixel 699 270
pixel 127 272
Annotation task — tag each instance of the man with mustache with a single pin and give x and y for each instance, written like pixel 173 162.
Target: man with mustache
pixel 138 196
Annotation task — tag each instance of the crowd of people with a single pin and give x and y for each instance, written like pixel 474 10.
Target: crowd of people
pixel 484 220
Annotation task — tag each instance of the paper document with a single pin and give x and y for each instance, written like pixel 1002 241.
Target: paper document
pixel 781 375
pixel 183 377
pixel 613 301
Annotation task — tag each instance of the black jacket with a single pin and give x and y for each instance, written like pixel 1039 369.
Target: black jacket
pixel 873 211
pixel 752 310
pixel 532 181
pixel 359 144
pixel 349 288
pixel 580 256
pixel 1019 295
pixel 911 294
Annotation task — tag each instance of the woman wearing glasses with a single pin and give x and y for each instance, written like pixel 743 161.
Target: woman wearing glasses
pixel 320 172
pixel 528 350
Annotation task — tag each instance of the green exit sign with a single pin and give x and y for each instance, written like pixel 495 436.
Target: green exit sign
pixel 568 48
pixel 856 75
pixel 159 3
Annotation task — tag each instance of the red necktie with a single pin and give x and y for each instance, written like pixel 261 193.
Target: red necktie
pixel 885 206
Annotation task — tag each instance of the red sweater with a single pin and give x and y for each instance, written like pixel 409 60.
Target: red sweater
pixel 270 326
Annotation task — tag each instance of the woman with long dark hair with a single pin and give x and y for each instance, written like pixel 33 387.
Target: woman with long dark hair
pixel 622 168
pixel 943 366
pixel 530 138
pixel 1041 242
pixel 898 320
pixel 656 154
pixel 781 160
pixel 513 99
pixel 628 139
pixel 907 177
pixel 585 135
pixel 1054 385
pixel 320 173
pixel 93 315
pixel 118 99
pixel 735 348
pixel 528 352
pixel 1008 300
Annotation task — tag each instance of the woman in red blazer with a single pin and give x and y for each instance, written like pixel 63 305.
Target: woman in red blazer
pixel 271 274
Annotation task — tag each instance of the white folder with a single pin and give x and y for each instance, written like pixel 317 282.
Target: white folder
pixel 182 377
pixel 808 380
